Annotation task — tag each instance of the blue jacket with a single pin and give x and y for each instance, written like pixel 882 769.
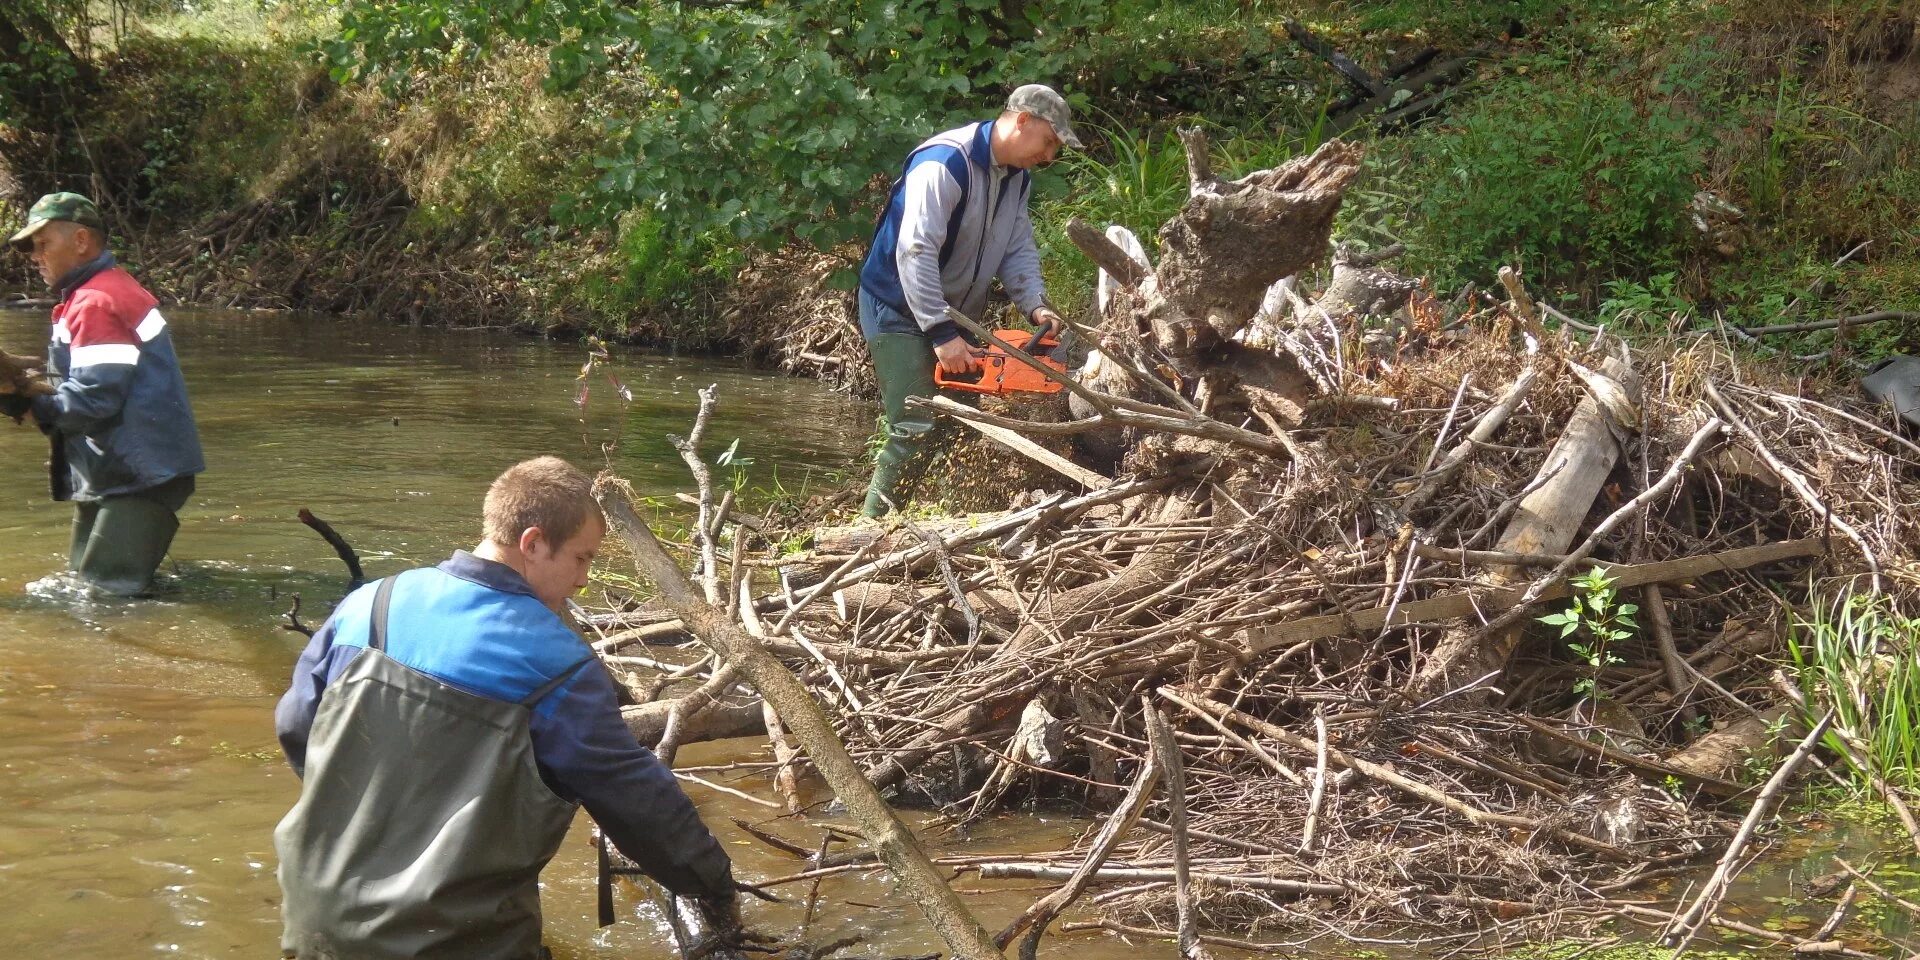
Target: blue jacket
pixel 954 222
pixel 120 408
pixel 475 625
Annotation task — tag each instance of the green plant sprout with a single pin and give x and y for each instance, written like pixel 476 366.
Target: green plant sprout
pixel 1605 621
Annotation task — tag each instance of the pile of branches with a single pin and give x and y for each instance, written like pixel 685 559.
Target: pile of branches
pixel 782 307
pixel 1283 646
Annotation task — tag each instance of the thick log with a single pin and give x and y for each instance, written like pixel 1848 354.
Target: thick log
pixel 1551 515
pixel 1363 82
pixel 883 829
pixel 1724 751
pixel 1361 286
pixel 1106 254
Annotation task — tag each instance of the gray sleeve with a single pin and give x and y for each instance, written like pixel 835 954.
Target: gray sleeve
pixel 927 198
pixel 1020 268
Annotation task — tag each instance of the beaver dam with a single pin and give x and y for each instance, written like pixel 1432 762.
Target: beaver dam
pixel 1273 615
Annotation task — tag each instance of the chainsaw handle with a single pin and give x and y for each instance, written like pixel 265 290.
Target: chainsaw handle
pixel 983 379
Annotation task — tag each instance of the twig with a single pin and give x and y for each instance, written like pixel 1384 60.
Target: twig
pixel 1490 424
pixel 1795 481
pixel 1686 924
pixel 1319 781
pixel 1043 911
pixel 1167 752
pixel 1397 780
pixel 355 576
pixel 703 478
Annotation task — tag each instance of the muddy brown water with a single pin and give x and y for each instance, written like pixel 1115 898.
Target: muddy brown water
pixel 139 776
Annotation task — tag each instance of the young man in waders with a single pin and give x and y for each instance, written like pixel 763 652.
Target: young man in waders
pixel 447 725
pixel 956 220
pixel 125 447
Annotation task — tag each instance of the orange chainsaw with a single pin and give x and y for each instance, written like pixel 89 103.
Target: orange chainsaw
pixel 1001 373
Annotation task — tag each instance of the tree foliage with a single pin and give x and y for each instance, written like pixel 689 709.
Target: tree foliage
pixel 762 123
pixel 38 64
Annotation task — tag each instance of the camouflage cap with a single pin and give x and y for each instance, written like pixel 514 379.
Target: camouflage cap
pixel 70 207
pixel 1044 102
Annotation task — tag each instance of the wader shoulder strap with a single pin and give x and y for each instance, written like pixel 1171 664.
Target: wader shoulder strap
pixel 554 684
pixel 382 597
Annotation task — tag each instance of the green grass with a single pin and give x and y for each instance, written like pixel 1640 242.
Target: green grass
pixel 1860 657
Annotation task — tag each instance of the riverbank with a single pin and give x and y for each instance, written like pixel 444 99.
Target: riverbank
pixel 1656 165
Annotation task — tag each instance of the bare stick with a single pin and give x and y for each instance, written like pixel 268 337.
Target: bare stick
pixel 883 829
pixel 1490 424
pixel 1854 321
pixel 703 478
pixel 355 575
pixel 687 707
pixel 1167 752
pixel 1796 481
pixel 1319 781
pixel 1044 910
pixel 1669 653
pixel 1687 923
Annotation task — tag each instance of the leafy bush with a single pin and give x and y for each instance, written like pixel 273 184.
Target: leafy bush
pixel 765 124
pixel 1574 179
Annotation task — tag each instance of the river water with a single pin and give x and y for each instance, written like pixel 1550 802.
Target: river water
pixel 139 775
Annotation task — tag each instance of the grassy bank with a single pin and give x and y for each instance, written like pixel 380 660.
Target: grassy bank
pixel 326 156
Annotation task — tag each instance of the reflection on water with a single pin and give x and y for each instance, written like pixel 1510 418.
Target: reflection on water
pixel 139 778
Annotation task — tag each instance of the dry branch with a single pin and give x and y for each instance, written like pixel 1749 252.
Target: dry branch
pixel 883 829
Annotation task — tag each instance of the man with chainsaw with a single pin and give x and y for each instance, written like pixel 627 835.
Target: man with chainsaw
pixel 125 447
pixel 446 726
pixel 955 220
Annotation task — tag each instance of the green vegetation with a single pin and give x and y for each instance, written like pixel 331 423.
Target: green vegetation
pixel 1860 657
pixel 1599 620
pixel 612 166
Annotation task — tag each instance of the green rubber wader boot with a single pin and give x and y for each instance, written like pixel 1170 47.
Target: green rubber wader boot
pixel 903 363
pixel 118 542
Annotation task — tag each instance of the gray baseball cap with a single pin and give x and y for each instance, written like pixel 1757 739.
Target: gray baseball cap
pixel 1046 103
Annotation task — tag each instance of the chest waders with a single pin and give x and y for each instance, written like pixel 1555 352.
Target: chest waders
pixel 422 824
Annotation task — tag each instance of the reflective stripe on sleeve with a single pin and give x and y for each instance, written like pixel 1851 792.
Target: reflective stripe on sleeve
pixel 99 354
pixel 151 326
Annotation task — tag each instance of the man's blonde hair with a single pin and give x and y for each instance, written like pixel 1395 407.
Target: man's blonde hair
pixel 545 492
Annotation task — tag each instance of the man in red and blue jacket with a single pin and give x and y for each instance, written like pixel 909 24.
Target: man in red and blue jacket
pixel 125 446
